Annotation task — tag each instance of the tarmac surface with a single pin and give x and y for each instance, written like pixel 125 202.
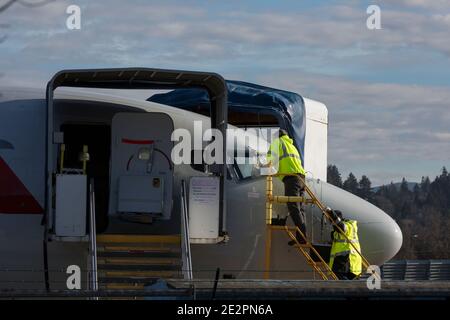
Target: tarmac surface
pixel 261 290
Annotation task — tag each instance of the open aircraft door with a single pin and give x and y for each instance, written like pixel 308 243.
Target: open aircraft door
pixel 149 180
pixel 141 168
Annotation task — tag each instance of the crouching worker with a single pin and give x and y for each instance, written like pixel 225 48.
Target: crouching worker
pixel 345 261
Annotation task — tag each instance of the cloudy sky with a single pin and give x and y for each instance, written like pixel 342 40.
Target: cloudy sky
pixel 387 91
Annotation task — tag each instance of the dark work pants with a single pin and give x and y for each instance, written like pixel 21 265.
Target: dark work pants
pixel 341 268
pixel 293 186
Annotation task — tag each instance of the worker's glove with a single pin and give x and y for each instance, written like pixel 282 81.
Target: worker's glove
pixel 333 214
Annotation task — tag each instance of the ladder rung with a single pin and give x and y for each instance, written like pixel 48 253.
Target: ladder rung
pixel 106 248
pixel 141 239
pixel 287 199
pixel 130 274
pixel 124 286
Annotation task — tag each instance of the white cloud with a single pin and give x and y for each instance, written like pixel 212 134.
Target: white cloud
pixel 373 122
pixel 370 121
pixel 340 27
pixel 442 136
pixel 425 4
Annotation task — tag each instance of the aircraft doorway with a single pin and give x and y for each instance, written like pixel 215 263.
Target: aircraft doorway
pixel 98 139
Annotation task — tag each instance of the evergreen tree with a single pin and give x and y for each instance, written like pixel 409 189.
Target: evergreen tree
pixel 351 184
pixel 416 189
pixel 365 187
pixel 392 191
pixel 425 185
pixel 404 187
pixel 422 214
pixel 417 195
pixel 334 176
pixel 444 173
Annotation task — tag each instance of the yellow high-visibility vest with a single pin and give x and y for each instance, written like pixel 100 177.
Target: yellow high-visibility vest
pixel 283 152
pixel 341 246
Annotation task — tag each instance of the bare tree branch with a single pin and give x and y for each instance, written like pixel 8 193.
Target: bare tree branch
pixel 3 26
pixel 6 6
pixel 25 3
pixel 31 4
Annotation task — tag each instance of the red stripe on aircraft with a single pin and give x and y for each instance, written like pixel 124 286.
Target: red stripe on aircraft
pixel 131 141
pixel 14 196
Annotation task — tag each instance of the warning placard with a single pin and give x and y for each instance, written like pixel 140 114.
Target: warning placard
pixel 204 195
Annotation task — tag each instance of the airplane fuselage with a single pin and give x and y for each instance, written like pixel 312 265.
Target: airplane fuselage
pixel 91 117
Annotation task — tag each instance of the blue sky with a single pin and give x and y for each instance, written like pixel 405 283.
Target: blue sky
pixel 387 91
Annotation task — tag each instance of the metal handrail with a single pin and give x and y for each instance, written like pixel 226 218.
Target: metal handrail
pixel 93 237
pixel 186 248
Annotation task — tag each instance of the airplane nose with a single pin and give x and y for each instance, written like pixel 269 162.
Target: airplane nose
pixel 391 238
pixel 382 240
pixel 379 235
pixel 395 238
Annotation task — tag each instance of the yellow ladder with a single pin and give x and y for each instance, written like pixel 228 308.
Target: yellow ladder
pixel 322 268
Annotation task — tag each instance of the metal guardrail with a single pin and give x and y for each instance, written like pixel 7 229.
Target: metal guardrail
pixel 415 270
pixel 93 238
pixel 186 245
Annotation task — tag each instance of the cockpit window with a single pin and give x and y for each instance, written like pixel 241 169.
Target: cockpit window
pixel 247 167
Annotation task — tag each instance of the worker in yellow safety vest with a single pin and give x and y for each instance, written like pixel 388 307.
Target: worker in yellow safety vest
pixel 285 158
pixel 345 261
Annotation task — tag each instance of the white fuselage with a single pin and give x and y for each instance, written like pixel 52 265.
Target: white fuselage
pixel 23 160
